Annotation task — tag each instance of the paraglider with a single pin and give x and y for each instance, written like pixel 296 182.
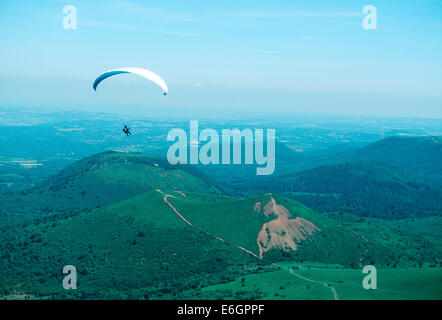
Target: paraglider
pixel 126 130
pixel 147 74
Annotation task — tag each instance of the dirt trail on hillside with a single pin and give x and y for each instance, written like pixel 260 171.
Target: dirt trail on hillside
pixel 17 296
pixel 325 284
pixel 175 210
pixel 166 196
pixel 181 193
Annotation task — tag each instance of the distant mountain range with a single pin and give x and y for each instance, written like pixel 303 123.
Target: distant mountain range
pixel 361 188
pixel 421 156
pixel 394 178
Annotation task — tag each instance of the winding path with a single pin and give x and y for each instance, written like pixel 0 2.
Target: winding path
pixel 325 284
pixel 166 196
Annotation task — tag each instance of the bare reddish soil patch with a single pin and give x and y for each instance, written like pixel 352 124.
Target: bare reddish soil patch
pixel 283 233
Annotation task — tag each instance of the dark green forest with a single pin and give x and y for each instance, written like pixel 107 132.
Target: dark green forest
pixel 137 227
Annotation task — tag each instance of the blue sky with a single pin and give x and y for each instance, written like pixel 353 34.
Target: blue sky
pixel 255 56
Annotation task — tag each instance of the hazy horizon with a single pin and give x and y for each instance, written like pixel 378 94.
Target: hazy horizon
pixel 282 57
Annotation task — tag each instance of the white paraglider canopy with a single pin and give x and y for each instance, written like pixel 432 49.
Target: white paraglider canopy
pixel 149 75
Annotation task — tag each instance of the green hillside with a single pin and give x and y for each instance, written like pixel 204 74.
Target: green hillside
pixel 241 221
pixel 136 249
pixel 421 156
pixel 275 228
pixel 100 180
pixel 137 228
pixel 361 188
pixel 290 281
pixel 166 244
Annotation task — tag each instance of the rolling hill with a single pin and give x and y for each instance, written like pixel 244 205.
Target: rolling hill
pixel 168 243
pixel 418 156
pixel 136 248
pixel 421 156
pixel 272 227
pixel 362 188
pixel 163 232
pixel 100 180
pixel 277 228
pixel 137 228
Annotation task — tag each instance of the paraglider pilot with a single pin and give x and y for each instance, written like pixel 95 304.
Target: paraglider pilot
pixel 126 131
